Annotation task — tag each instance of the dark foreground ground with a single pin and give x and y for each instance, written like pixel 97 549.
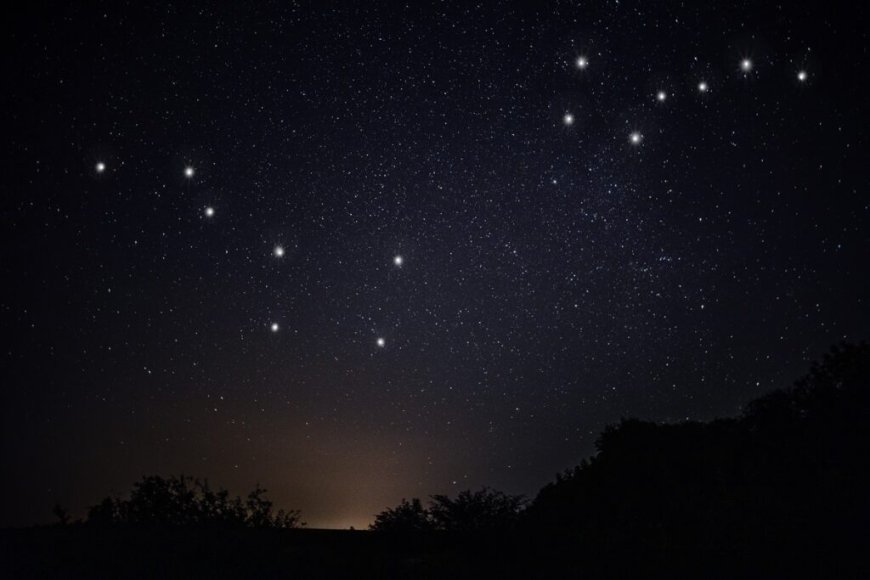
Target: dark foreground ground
pixel 90 552
pixel 87 552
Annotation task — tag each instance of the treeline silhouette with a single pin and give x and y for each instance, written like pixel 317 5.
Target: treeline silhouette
pixel 783 490
pixel 471 511
pixel 188 501
pixel 780 491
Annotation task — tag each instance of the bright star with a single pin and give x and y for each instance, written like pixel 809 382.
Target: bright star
pixel 746 65
pixel 274 327
pixel 278 251
pixel 398 261
pixel 381 342
pixel 582 62
pixel 568 119
pixel 209 211
pixel 802 75
pixel 189 171
pixel 100 167
pixel 661 96
pixel 703 86
pixel 635 138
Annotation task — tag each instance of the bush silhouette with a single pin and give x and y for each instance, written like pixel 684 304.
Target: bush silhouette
pixel 405 517
pixel 63 517
pixel 186 501
pixel 482 510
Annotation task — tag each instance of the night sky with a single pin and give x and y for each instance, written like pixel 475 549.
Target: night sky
pixel 361 253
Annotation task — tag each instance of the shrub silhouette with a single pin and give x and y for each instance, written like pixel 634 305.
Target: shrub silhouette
pixel 482 510
pixel 405 517
pixel 63 517
pixel 186 501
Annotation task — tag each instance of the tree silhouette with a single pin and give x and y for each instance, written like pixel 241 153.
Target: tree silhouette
pixel 783 486
pixel 186 501
pixel 63 517
pixel 483 510
pixel 405 517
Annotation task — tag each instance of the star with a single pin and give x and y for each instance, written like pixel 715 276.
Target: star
pixel 398 261
pixel 274 327
pixel 802 76
pixel 100 167
pixel 582 62
pixel 661 96
pixel 568 119
pixel 381 342
pixel 746 65
pixel 703 86
pixel 278 251
pixel 635 137
pixel 209 211
pixel 189 171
